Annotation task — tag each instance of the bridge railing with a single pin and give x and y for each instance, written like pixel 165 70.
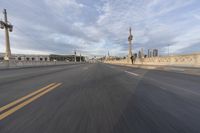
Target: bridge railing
pixel 17 64
pixel 191 60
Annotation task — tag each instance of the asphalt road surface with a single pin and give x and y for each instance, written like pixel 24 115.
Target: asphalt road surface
pixel 98 98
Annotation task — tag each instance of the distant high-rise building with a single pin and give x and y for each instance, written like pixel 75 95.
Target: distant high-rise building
pixel 155 52
pixel 149 53
pixel 152 53
pixel 142 53
pixel 139 54
pixel 135 55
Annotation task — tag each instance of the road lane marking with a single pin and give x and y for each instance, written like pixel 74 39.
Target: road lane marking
pixel 25 97
pixel 85 68
pixel 172 86
pixel 135 74
pixel 112 67
pixel 21 105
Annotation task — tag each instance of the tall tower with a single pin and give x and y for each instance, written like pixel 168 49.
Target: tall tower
pixel 130 38
pixel 8 27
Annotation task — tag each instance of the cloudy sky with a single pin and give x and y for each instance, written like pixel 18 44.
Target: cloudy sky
pixel 95 26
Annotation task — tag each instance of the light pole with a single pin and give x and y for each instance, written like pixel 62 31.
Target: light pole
pixel 75 56
pixel 8 28
pixel 168 49
pixel 80 57
pixel 130 38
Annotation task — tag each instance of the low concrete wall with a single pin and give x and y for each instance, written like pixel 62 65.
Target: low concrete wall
pixel 191 60
pixel 19 64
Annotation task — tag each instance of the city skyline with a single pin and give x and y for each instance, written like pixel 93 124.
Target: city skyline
pixel 94 27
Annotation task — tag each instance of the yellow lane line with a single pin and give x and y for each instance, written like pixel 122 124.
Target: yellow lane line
pixel 21 105
pixel 24 98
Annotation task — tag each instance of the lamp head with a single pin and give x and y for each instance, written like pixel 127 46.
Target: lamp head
pixel 1 24
pixel 10 28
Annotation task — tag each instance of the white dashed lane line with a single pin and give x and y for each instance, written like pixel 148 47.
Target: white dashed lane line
pixel 85 68
pixel 135 74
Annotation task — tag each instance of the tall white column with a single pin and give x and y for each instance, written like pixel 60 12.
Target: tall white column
pixel 8 27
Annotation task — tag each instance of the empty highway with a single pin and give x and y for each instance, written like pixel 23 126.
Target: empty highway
pixel 98 98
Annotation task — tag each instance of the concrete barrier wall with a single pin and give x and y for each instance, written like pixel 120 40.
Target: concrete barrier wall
pixel 18 64
pixel 191 60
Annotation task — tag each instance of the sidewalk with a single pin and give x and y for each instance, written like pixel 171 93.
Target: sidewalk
pixel 171 68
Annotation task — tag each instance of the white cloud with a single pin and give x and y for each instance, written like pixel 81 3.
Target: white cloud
pixel 162 7
pixel 186 40
pixel 147 18
pixel 64 3
pixel 28 51
pixel 60 26
pixel 197 16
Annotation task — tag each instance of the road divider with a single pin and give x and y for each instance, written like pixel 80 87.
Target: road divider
pixel 24 98
pixel 18 104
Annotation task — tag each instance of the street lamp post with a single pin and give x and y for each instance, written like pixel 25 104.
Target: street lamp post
pixel 80 57
pixel 75 56
pixel 130 38
pixel 8 28
pixel 168 49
